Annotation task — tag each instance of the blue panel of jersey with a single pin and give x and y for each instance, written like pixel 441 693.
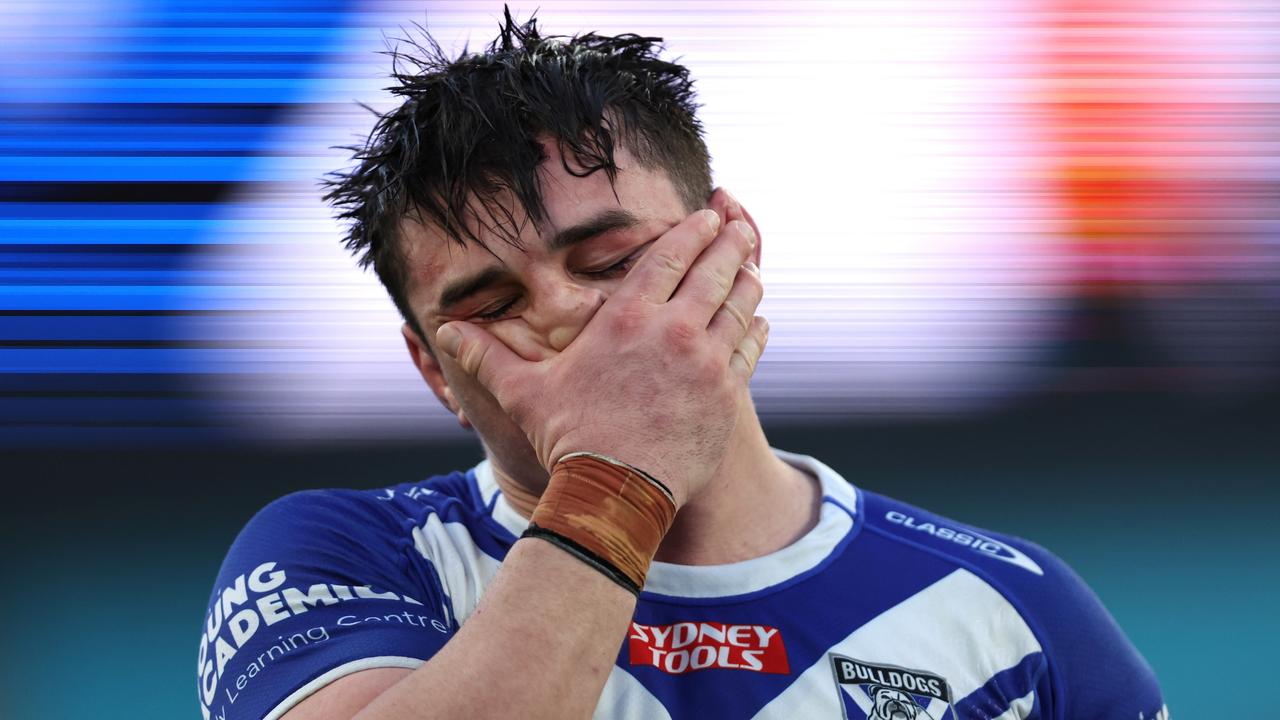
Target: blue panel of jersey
pixel 1093 671
pixel 315 581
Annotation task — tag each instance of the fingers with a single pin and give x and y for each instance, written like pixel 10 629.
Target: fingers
pixel 732 321
pixel 725 205
pixel 747 354
pixel 480 354
pixel 658 273
pixel 714 273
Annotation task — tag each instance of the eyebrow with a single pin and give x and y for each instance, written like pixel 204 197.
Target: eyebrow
pixel 599 224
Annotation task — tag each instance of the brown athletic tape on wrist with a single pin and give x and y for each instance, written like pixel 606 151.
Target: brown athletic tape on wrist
pixel 613 515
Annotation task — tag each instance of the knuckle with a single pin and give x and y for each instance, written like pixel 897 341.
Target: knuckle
pixel 670 262
pixel 746 235
pixel 626 323
pixel 716 280
pixel 708 367
pixel 738 315
pixel 680 335
pixel 471 356
pixel 760 332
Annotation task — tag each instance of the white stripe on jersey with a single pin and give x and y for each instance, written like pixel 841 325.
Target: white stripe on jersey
pixel 464 569
pixel 959 627
pixel 1020 708
pixel 625 697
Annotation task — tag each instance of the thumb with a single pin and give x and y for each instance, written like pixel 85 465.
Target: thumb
pixel 478 352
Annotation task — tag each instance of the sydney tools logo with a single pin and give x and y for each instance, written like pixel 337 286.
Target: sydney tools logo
pixel 688 646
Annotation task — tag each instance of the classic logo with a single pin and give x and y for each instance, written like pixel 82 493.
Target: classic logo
pixel 887 692
pixel 688 646
pixel 990 547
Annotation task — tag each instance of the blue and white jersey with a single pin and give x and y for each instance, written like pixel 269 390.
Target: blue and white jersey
pixel 882 611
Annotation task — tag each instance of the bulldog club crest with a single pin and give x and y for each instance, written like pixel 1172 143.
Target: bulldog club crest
pixel 887 692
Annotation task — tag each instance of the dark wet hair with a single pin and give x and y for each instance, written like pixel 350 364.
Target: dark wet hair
pixel 467 136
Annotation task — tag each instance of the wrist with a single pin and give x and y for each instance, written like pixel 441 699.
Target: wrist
pixel 646 464
pixel 608 514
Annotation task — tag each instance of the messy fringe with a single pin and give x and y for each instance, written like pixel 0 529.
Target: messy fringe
pixel 465 140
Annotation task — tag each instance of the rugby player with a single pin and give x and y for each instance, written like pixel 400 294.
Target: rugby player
pixel 575 290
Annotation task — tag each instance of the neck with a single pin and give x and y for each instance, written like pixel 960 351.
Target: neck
pixel 753 505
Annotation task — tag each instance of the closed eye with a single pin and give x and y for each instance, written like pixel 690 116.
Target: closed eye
pixel 620 268
pixel 497 312
pixel 616 270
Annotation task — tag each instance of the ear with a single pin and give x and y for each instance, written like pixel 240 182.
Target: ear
pixel 725 205
pixel 429 367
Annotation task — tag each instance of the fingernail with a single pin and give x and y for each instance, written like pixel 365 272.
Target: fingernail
pixel 751 267
pixel 749 231
pixel 713 219
pixel 448 339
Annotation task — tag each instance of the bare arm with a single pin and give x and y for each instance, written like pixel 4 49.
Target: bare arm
pixel 540 644
pixel 347 695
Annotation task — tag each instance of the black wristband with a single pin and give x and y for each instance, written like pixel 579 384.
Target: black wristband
pixel 605 567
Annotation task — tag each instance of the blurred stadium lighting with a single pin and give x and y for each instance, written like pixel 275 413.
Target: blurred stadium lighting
pixel 910 240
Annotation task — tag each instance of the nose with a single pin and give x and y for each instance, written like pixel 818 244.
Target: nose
pixel 563 308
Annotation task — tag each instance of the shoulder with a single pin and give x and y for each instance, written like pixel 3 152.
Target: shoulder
pixel 322 584
pixel 364 520
pixel 436 531
pixel 361 521
pixel 1094 670
pixel 987 552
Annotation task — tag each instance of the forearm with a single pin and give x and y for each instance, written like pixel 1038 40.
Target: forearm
pixel 541 643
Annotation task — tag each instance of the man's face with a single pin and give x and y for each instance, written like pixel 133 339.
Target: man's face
pixel 535 299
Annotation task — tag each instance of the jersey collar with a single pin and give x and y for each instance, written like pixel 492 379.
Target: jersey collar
pixel 836 524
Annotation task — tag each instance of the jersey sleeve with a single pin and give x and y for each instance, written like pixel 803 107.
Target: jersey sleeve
pixel 1095 672
pixel 318 585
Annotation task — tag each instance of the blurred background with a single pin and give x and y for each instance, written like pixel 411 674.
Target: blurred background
pixel 1022 261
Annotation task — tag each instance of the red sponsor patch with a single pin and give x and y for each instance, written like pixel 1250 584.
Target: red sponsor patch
pixel 688 646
